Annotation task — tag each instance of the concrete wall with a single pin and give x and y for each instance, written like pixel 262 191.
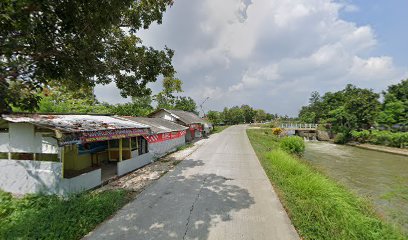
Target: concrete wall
pixel 26 176
pixel 129 165
pixel 81 183
pixel 162 148
pixel 23 139
pixel 4 142
pixel 197 134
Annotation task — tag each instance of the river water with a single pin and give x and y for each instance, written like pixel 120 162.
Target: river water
pixel 380 177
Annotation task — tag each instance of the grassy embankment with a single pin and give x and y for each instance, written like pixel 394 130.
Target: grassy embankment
pixel 318 207
pixel 51 217
pixel 218 129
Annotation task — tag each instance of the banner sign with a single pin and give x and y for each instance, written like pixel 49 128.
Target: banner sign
pixel 161 137
pixel 103 135
pixel 198 127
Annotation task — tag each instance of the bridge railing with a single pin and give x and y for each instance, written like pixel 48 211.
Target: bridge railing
pixel 299 125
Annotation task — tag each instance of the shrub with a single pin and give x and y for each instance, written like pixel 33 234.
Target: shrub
pixel 293 144
pixel 362 136
pixel 341 138
pixel 388 138
pixel 277 131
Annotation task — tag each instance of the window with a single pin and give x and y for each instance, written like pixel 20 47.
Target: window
pixel 143 146
pixel 134 143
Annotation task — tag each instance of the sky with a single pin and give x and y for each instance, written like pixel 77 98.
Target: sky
pixel 271 54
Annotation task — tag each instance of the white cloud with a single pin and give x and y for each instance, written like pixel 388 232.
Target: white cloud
pixel 269 53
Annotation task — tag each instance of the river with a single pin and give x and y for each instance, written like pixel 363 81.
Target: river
pixel 380 177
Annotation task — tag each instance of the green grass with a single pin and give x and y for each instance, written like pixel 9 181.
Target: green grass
pixel 218 129
pixel 51 217
pixel 188 145
pixel 318 207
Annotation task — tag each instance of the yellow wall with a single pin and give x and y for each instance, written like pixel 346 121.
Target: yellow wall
pixel 74 162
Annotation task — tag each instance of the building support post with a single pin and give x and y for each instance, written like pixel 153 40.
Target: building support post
pixel 62 157
pixel 120 150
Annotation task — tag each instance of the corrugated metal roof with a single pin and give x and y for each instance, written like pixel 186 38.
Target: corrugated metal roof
pixel 74 123
pixel 158 125
pixel 184 116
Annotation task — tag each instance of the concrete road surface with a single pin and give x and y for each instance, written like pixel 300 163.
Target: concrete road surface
pixel 218 192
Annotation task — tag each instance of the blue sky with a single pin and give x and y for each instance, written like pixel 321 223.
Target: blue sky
pixel 389 19
pixel 271 54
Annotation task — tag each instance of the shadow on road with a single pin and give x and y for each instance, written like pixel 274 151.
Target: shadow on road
pixel 182 205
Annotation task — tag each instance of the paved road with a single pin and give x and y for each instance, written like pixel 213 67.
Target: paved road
pixel 219 192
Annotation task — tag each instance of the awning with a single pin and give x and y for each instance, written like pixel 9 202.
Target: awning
pixel 101 135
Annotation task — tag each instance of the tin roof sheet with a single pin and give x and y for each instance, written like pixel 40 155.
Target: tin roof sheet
pixel 74 123
pixel 158 125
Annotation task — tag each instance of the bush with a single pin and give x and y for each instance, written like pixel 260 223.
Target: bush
pixel 362 136
pixel 341 138
pixel 293 144
pixel 277 131
pixel 387 138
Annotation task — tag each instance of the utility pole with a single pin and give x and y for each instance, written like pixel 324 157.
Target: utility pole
pixel 201 105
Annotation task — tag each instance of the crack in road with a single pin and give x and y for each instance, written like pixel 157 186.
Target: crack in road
pixel 192 207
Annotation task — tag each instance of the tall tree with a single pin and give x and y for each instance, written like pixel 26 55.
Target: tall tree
pixel 249 113
pixel 166 98
pixel 394 109
pixel 186 104
pixel 78 44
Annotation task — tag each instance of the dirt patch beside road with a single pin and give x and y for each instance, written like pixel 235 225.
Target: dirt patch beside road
pixel 136 181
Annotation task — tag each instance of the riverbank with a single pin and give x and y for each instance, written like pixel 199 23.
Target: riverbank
pixel 381 148
pixel 318 207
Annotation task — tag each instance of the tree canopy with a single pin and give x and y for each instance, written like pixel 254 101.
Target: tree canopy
pixel 356 109
pixel 78 44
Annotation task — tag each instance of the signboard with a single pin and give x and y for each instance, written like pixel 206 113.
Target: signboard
pixel 103 135
pixel 198 127
pixel 161 137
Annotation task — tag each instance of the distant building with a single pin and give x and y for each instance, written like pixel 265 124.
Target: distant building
pixel 194 123
pixel 165 135
pixel 62 154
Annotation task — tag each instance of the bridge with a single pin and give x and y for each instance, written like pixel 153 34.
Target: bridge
pixel 299 126
pixel 306 130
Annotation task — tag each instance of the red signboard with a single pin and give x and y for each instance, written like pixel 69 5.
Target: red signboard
pixel 103 135
pixel 161 137
pixel 198 127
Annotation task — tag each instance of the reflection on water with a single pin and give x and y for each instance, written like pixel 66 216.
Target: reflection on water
pixel 382 177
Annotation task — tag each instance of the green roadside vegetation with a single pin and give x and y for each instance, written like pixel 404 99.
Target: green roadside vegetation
pixel 52 217
pixel 185 146
pixel 318 207
pixel 357 114
pixel 218 129
pixel 387 138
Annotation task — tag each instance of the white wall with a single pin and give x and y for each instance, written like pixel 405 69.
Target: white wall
pixel 165 115
pixel 197 134
pixel 4 142
pixel 81 183
pixel 22 137
pixel 129 165
pixel 162 148
pixel 45 144
pixel 26 176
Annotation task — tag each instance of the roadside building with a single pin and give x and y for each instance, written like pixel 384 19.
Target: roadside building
pixel 62 154
pixel 194 123
pixel 165 135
